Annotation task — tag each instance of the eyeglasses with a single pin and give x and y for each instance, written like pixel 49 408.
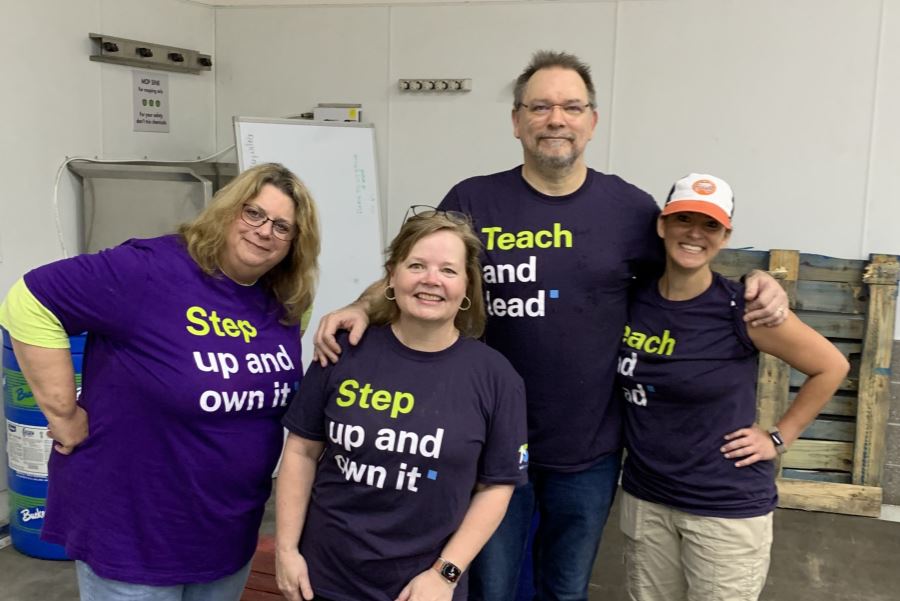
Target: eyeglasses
pixel 543 109
pixel 429 211
pixel 257 218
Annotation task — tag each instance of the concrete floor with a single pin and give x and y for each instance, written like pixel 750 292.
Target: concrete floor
pixel 815 557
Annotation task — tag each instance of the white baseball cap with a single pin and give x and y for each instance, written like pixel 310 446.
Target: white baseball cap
pixel 702 193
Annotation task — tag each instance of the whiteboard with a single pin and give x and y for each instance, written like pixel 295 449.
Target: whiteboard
pixel 336 161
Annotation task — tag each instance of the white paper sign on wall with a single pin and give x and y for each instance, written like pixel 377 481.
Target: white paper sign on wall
pixel 151 101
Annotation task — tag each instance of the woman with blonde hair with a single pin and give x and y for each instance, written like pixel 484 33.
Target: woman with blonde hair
pixel 402 457
pixel 162 464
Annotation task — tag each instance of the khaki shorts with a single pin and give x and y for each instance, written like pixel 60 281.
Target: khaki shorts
pixel 671 555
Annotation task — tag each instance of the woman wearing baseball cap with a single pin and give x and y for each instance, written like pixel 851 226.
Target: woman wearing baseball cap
pixel 699 478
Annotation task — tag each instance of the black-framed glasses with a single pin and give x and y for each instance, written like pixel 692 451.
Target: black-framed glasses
pixel 429 211
pixel 543 109
pixel 256 217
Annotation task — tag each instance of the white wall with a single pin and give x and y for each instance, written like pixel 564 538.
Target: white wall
pixel 758 94
pixel 790 100
pixel 56 103
pixel 793 101
pixel 437 140
pixel 274 62
pixel 882 215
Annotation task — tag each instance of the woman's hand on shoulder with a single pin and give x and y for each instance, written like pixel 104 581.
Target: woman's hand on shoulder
pixel 427 586
pixel 292 576
pixel 749 445
pixel 69 432
pixel 352 317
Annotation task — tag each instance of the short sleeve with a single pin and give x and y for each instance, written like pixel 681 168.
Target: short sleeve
pixel 451 201
pixel 504 459
pixel 306 413
pixel 738 306
pixel 28 321
pixel 96 293
pixel 650 255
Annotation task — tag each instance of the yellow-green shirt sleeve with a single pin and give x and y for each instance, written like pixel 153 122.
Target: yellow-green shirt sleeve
pixel 304 319
pixel 28 321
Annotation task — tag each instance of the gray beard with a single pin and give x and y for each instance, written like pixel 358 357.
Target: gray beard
pixel 554 162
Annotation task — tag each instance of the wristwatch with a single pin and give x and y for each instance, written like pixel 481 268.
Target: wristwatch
pixel 448 571
pixel 777 440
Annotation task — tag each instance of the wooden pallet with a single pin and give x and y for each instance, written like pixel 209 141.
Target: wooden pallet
pixel 837 463
pixel 261 583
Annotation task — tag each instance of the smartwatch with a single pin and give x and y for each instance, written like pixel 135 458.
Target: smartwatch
pixel 448 571
pixel 777 440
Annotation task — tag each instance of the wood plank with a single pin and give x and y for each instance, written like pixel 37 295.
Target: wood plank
pixel 841 405
pixel 819 455
pixel 850 383
pixel 734 263
pixel 852 351
pixel 834 325
pixel 848 499
pixel 830 429
pixel 882 269
pixel 830 269
pixel 785 265
pixel 264 558
pixel 262 582
pixel 848 347
pixel 773 380
pixel 875 370
pixel 817 476
pixel 835 297
pixel 252 595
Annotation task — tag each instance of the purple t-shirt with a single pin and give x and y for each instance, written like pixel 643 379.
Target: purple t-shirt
pixel 407 436
pixel 557 270
pixel 687 372
pixel 185 380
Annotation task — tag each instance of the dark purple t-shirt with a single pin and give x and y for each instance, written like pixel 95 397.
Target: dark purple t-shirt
pixel 407 436
pixel 687 373
pixel 556 273
pixel 185 380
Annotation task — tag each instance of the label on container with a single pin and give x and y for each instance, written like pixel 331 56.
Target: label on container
pixel 28 448
pixel 27 513
pixel 16 391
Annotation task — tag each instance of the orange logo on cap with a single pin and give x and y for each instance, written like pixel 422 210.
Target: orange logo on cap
pixel 704 186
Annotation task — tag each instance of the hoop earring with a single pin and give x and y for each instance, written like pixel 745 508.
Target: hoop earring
pixel 390 298
pixel 467 307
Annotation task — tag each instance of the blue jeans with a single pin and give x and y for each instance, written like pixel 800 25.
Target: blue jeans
pixel 573 508
pixel 94 588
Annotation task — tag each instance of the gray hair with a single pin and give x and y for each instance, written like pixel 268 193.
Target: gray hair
pixel 546 59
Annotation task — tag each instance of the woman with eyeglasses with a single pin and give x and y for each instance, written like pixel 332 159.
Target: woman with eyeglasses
pixel 162 464
pixel 402 457
pixel 699 478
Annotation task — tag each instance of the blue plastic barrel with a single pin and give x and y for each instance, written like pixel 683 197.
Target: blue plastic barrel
pixel 28 447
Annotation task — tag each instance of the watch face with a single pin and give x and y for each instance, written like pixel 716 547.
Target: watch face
pixel 450 572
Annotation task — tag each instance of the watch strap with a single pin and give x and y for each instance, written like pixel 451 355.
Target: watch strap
pixel 777 440
pixel 449 571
